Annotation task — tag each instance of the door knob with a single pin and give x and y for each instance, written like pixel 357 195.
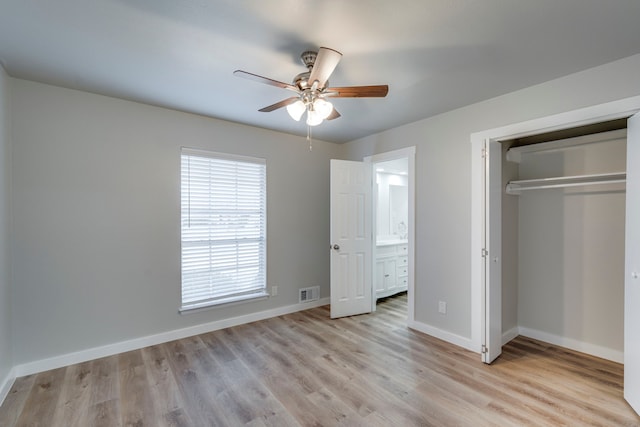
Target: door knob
pixel 336 247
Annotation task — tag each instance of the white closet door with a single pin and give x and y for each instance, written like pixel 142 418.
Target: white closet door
pixel 351 269
pixel 492 316
pixel 632 268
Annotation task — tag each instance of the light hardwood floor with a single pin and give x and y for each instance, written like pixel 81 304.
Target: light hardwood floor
pixel 306 369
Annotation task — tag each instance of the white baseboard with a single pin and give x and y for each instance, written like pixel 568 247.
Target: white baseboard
pixel 581 346
pixel 510 334
pixel 449 337
pixel 6 384
pixel 138 343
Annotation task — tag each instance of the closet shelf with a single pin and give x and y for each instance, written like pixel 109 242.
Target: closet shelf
pixel 517 187
pixel 514 154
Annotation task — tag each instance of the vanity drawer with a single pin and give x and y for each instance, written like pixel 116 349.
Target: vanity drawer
pixel 403 283
pixel 385 251
pixel 403 261
pixel 402 271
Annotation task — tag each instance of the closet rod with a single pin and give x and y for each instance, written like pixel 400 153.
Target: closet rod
pixel 516 187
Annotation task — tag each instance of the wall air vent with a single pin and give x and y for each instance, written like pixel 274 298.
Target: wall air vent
pixel 309 294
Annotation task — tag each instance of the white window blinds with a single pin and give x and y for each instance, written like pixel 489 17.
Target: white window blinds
pixel 223 215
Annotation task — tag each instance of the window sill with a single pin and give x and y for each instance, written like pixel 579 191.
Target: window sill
pixel 208 305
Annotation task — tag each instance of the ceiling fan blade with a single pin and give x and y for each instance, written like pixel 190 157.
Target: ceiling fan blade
pixel 326 62
pixel 379 91
pixel 334 114
pixel 265 80
pixel 280 104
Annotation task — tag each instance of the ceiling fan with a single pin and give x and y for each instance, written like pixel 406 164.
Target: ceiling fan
pixel 311 88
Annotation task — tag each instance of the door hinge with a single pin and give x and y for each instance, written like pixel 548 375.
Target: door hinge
pixel 484 252
pixel 484 153
pixel 485 349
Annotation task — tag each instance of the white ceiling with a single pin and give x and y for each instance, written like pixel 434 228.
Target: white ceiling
pixel 435 55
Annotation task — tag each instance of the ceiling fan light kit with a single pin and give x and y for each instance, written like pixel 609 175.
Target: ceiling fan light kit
pixel 317 109
pixel 312 88
pixel 296 110
pixel 322 108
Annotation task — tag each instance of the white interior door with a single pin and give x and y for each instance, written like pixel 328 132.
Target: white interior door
pixel 632 268
pixel 351 268
pixel 492 253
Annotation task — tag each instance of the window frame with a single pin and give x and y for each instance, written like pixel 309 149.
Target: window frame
pixel 237 297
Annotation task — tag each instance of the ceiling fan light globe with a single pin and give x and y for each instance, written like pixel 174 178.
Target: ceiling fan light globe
pixel 313 118
pixel 322 107
pixel 296 110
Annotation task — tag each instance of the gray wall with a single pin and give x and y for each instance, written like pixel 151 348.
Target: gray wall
pixel 443 179
pixel 95 207
pixel 6 343
pixel 571 247
pixel 96 217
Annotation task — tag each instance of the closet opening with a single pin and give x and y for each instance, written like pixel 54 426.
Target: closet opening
pixel 563 238
pixel 576 327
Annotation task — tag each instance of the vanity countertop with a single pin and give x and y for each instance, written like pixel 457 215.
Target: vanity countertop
pixel 389 242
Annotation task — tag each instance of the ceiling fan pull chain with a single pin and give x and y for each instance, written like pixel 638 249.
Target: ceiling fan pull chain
pixel 309 137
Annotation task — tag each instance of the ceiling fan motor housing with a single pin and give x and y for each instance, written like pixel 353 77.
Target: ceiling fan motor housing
pixel 302 80
pixel 308 58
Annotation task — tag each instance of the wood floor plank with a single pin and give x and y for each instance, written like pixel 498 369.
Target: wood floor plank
pixel 195 377
pixel 106 382
pixel 43 399
pixel 337 412
pixel 291 392
pixel 15 400
pixel 306 369
pixel 163 388
pixel 339 381
pixel 105 414
pixel 366 364
pixel 178 418
pixel 244 391
pixel 73 406
pixel 136 406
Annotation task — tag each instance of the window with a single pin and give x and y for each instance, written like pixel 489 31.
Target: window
pixel 223 217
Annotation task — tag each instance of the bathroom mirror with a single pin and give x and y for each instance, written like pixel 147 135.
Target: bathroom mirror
pixel 398 210
pixel 392 200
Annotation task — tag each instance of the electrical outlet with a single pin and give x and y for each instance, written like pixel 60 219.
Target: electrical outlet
pixel 442 307
pixel 274 291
